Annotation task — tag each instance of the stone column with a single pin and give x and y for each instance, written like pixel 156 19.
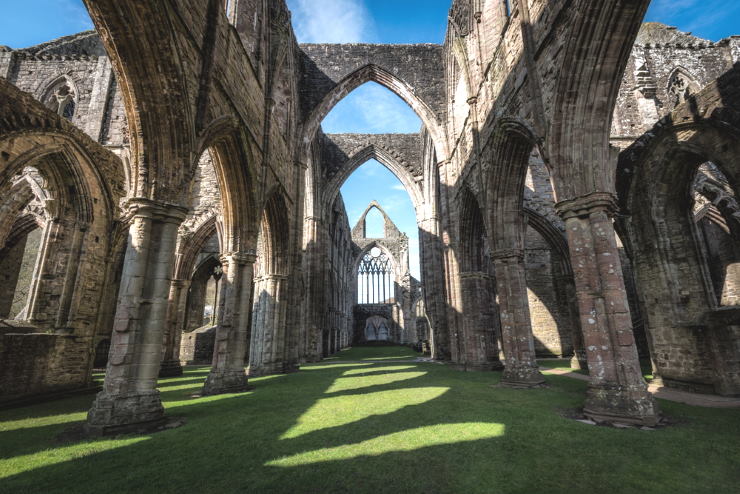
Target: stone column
pixel 617 391
pixel 235 299
pixel 481 352
pixel 520 364
pixel 171 365
pixel 130 399
pixel 267 351
pixel 314 262
pixel 432 257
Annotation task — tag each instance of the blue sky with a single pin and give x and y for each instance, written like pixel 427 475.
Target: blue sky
pixel 370 108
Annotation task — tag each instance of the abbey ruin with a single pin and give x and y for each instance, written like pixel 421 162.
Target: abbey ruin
pixel 168 197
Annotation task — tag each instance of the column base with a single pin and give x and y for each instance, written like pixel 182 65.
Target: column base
pixel 522 376
pixel 480 366
pixel 170 368
pixel 272 368
pixel 226 382
pixel 621 404
pixel 124 414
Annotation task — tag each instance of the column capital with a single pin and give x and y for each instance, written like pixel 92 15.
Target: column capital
pixel 584 206
pixel 508 255
pixel 142 207
pixel 248 257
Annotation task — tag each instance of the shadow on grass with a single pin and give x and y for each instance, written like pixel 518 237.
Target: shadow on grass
pixel 439 431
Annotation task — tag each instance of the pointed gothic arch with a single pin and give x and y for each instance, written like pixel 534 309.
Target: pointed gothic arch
pixel 374 73
pixel 385 158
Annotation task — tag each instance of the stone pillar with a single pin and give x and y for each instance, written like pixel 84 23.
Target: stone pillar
pixel 267 351
pixel 481 350
pixel 130 399
pixel 617 391
pixel 315 301
pixel 171 365
pixel 235 299
pixel 520 364
pixel 432 257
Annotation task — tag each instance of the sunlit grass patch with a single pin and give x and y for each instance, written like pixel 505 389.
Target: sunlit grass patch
pixel 373 370
pixel 408 440
pixel 342 410
pixel 366 381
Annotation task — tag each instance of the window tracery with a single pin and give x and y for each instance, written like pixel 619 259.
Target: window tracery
pixel 60 98
pixel 375 278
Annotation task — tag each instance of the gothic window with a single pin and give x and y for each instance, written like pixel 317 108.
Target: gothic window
pixel 60 98
pixel 211 296
pixel 680 88
pixel 375 278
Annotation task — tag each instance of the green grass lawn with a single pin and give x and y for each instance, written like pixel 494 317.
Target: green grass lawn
pixel 368 427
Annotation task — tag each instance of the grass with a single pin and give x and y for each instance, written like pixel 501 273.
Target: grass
pixel 375 427
pixel 564 363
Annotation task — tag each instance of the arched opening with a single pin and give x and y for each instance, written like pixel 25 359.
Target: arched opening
pixel 269 327
pixel 550 284
pixel 716 214
pixel 18 262
pixel 201 305
pixel 198 275
pixel 374 224
pixel 384 266
pixel 378 164
pixel 682 235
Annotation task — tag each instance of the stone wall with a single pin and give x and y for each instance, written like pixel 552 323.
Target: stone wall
pixel 42 363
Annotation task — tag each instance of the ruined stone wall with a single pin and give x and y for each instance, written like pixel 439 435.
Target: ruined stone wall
pixel 42 363
pixel 664 64
pixel 325 66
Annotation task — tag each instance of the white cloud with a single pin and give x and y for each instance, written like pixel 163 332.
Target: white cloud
pixel 331 21
pixel 391 204
pixel 399 187
pixel 383 111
